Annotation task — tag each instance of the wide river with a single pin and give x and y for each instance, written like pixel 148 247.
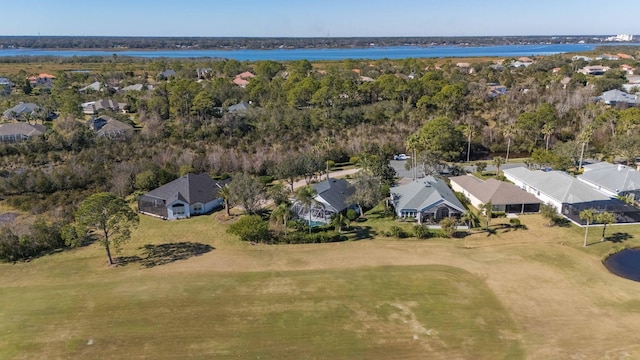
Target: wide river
pixel 397 52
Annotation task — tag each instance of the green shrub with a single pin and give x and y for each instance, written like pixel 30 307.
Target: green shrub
pixel 498 214
pixel 266 179
pixel 397 231
pixel 314 238
pixel 354 160
pixel 421 232
pixel 251 228
pixel 352 215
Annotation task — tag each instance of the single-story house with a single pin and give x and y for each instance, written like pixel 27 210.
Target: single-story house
pixel 425 199
pixel 503 196
pixel 186 196
pixel 569 195
pixel 109 127
pixel 15 132
pixel 20 110
pixel 93 107
pixel 332 197
pixel 611 179
pixel 594 70
pixel 95 86
pixel 5 86
pixel 136 87
pixel 167 74
pixel 616 97
pixel 42 79
pixel 241 106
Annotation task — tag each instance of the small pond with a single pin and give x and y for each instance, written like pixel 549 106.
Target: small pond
pixel 625 263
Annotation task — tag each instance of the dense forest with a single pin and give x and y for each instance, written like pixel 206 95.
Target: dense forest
pixel 300 113
pixel 104 42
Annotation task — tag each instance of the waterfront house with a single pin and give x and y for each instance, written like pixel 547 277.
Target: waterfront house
pixel 569 195
pixel 612 179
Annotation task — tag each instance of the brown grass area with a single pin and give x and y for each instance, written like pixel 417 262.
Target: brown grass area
pixel 564 303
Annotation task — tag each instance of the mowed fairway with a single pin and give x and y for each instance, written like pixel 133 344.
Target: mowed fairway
pixel 519 294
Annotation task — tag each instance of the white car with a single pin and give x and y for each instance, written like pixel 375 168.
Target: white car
pixel 401 157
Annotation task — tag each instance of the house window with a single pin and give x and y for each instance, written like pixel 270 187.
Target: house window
pixel 197 207
pixel 178 209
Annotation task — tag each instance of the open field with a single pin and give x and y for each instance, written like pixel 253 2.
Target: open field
pixel 534 294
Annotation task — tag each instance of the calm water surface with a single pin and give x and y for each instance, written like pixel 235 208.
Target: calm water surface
pixel 398 52
pixel 626 264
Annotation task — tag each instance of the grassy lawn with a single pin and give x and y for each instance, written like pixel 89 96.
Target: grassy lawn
pixel 535 294
pixel 399 312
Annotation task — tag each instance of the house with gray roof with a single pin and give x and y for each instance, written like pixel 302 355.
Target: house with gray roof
pixel 93 107
pixel 186 196
pixel 428 199
pixel 5 86
pixel 239 107
pixel 617 97
pixel 612 179
pixel 16 132
pixel 569 195
pixel 332 197
pixel 95 86
pixel 106 126
pixel 504 196
pixel 20 110
pixel 136 87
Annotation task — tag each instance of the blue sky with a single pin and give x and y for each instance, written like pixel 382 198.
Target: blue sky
pixel 268 18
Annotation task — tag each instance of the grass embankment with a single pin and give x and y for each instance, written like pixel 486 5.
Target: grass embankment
pixel 533 293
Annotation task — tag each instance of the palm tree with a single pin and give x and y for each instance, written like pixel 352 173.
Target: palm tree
pixel 588 215
pixel 223 192
pixel 547 130
pixel 413 144
pixel 282 214
pixel 585 137
pixel 497 162
pixel 339 221
pixel 508 132
pixel 469 131
pixel 466 217
pixel 488 212
pixel 305 196
pixel 605 218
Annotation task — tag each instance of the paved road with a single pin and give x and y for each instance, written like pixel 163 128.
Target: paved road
pixel 332 174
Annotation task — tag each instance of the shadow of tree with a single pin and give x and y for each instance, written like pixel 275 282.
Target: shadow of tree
pixel 155 255
pixel 362 232
pixel 618 237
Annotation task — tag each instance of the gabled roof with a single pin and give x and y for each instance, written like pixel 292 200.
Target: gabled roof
pixel 241 106
pixel 240 82
pixel 93 86
pixel 108 126
pixel 424 193
pixel 616 96
pixel 498 192
pixel 20 109
pixel 134 87
pixel 246 75
pixel 615 178
pixel 22 129
pixel 190 188
pixel 335 192
pixel 557 185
